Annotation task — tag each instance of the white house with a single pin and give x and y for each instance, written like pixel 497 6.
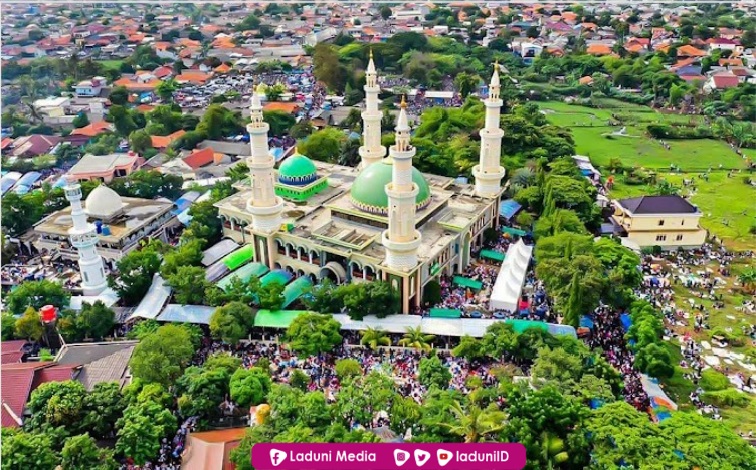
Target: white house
pixel 91 87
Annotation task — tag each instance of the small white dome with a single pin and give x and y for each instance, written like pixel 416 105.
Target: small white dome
pixel 103 203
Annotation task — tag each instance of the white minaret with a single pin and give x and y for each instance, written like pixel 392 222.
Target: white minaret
pixel 83 237
pixel 401 239
pixel 371 150
pixel 489 172
pixel 264 205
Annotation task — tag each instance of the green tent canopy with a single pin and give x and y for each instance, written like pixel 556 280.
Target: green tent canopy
pixel 239 257
pixel 492 254
pixel 445 313
pixel 295 290
pixel 465 282
pixel 514 231
pixel 279 275
pixel 277 318
pixel 244 274
pixel 522 325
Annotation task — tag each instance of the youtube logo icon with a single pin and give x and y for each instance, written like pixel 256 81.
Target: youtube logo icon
pixel 443 456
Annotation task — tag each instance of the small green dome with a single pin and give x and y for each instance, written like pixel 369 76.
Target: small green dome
pixel 368 191
pixel 297 169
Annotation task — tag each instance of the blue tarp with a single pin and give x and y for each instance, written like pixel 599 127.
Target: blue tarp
pixel 60 183
pixel 185 201
pixel 9 180
pixel 586 322
pixel 277 153
pixel 508 208
pixel 626 321
pixel 25 183
pixel 197 314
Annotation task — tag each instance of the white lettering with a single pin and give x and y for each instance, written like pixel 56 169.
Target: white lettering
pixel 364 456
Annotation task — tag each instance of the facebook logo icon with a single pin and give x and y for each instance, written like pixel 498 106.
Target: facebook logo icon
pixel 277 457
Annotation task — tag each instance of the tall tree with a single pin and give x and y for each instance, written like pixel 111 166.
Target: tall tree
pixel 162 356
pixel 313 333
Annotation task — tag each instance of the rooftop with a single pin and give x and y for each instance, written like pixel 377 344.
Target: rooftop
pixel 102 163
pixel 647 205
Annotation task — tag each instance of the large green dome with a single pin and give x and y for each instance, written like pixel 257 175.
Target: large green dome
pixel 297 170
pixel 368 191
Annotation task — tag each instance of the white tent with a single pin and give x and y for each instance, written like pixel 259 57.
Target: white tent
pixel 152 303
pixel 508 286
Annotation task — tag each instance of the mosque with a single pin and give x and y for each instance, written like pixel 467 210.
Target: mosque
pixel 381 221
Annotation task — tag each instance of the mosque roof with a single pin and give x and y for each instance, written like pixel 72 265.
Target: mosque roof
pixel 368 191
pixel 297 166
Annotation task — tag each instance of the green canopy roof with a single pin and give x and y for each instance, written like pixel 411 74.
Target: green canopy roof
pixel 368 191
pixel 514 231
pixel 295 290
pixel 492 254
pixel 522 325
pixel 280 276
pixel 277 318
pixel 239 257
pixel 445 313
pixel 465 282
pixel 244 274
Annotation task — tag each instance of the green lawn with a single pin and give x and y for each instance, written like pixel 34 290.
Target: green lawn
pixel 111 64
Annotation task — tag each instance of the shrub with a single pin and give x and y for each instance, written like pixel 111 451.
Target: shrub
pixel 726 398
pixel 713 381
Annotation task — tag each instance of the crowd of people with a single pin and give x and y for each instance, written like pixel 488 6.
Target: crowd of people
pixel 28 268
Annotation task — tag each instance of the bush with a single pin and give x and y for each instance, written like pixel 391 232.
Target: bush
pixel 713 381
pixel 726 398
pixel 665 131
pixel 348 368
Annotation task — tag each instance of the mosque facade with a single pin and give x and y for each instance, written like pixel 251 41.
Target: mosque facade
pixel 383 220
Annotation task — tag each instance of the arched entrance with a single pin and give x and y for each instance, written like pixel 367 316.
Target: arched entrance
pixel 333 271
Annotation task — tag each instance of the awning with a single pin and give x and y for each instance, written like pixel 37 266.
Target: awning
pixel 239 257
pixel 276 319
pixel 279 275
pixel 195 314
pixel 514 231
pixel 445 313
pixel 522 325
pixel 153 301
pixel 244 274
pixel 492 254
pixel 509 208
pixel 295 290
pixel 218 251
pixel 465 282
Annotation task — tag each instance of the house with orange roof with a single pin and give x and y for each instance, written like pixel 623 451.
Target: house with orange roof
pixel 94 129
pixel 222 68
pixel 163 72
pixel 145 108
pixel 690 51
pixel 598 49
pixel 731 62
pixel 193 76
pixel 288 107
pixel 587 80
pixel 186 42
pixel 162 142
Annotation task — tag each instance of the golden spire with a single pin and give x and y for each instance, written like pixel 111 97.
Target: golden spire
pixel 296 150
pixel 371 52
pixel 403 104
pixel 496 64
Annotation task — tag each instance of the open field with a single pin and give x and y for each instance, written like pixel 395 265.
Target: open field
pixel 111 64
pixel 727 203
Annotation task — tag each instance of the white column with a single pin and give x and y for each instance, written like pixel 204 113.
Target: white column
pixel 401 239
pixel 371 150
pixel 489 172
pixel 264 205
pixel 83 237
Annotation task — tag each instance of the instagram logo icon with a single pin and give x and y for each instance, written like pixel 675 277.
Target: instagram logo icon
pixel 401 457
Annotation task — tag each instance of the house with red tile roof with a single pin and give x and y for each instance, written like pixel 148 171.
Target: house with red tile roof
pixel 6 143
pixel 33 145
pixel 163 72
pixel 598 49
pixel 194 77
pixel 199 158
pixel 139 82
pixel 724 44
pixel 20 380
pixel 162 142
pixel 690 51
pixel 12 351
pixel 94 129
pixel 721 81
pixel 286 107
pixel 731 62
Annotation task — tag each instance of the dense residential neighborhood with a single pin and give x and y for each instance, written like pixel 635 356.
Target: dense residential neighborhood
pixel 233 224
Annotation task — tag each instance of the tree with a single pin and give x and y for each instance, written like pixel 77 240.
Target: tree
pixel 141 430
pixel 466 83
pixel 96 320
pixel 655 360
pixel 469 348
pixel 57 404
pixel 327 67
pixel 416 339
pixel 104 405
pixel 432 292
pixel 23 450
pixel 36 294
pixel 189 285
pixel 81 453
pixel 323 145
pixel 312 333
pixel 232 322
pixel 8 325
pixel 162 356
pixel 271 296
pixel 205 227
pixel 561 220
pixel 432 372
pixel 249 22
pixel 475 424
pixel 374 338
pixel 301 129
pixel 29 326
pixel 363 396
pixel 249 387
pixel 747 280
pixel 201 391
pixel 385 12
pixel 347 368
pixel 80 120
pixel 135 273
pixel 165 90
pixel 119 96
pixel 140 141
pixel 533 32
pixel 279 121
pixel 557 367
pixel 186 254
pixel 218 122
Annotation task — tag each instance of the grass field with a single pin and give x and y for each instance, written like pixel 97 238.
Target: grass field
pixel 111 64
pixel 727 203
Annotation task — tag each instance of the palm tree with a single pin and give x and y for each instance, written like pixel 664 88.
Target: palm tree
pixel 373 338
pixel 748 280
pixel 350 155
pixel 552 450
pixel 414 338
pixel 524 177
pixel 475 424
